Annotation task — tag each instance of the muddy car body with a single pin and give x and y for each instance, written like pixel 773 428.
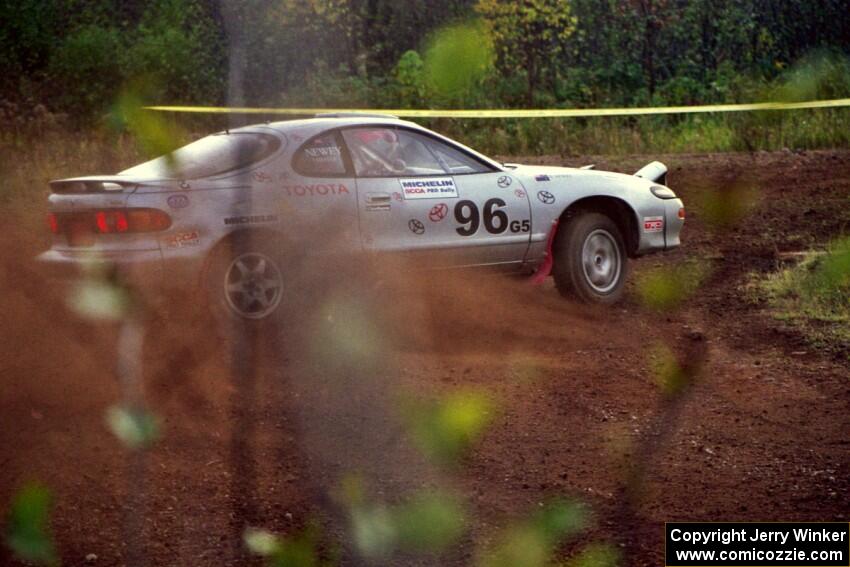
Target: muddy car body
pixel 356 184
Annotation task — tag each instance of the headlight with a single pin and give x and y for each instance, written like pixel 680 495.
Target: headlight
pixel 662 192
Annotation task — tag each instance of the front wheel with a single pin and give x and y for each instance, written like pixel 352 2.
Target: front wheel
pixel 590 259
pixel 245 279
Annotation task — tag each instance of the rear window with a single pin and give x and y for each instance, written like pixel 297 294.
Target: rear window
pixel 210 156
pixel 320 157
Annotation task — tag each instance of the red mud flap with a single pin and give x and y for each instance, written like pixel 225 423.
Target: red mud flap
pixel 546 267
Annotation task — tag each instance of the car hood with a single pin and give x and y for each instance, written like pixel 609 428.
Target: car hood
pixel 560 178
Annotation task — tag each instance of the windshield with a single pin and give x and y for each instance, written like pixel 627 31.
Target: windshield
pixel 210 156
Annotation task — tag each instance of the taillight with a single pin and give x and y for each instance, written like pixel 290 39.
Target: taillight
pixel 682 213
pixel 147 220
pixel 112 221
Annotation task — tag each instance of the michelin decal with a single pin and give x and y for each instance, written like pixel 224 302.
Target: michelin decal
pixel 428 188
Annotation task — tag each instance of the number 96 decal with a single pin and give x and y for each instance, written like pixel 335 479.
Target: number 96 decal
pixel 495 219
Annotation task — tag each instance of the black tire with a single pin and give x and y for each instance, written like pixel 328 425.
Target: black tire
pixel 245 278
pixel 590 259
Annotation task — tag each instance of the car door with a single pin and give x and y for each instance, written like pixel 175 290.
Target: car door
pixel 421 196
pixel 317 196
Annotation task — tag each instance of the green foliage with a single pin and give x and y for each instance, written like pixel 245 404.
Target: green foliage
pixel 81 64
pixel 668 373
pixel 531 542
pixel 28 533
pixel 815 295
pixel 727 205
pixel 29 33
pixel 529 36
pixel 409 75
pixel 88 58
pixel 666 288
pixel 178 48
pixel 300 550
pixel 155 134
pixel 445 429
pixel 595 555
pixel 78 56
pixel 456 59
pixel 430 521
pixel 136 428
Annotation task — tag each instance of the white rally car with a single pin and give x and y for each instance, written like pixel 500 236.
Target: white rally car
pixel 226 211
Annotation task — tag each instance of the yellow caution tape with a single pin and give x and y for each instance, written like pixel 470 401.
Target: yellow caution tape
pixel 514 113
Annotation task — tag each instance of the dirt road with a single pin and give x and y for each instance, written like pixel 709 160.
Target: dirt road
pixel 763 435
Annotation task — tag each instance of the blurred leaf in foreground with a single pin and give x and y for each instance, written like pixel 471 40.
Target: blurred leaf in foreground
pixel 531 543
pixel 595 555
pixel 99 299
pixel 667 287
pixel 155 135
pixel 296 551
pixel 669 374
pixel 727 205
pixel 457 57
pixel 445 429
pixel 28 533
pixel 348 333
pixel 428 522
pixel 431 521
pixel 135 428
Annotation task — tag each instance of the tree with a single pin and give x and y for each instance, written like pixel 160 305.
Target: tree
pixel 528 35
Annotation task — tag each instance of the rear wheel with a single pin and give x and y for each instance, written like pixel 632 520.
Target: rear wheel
pixel 590 259
pixel 245 279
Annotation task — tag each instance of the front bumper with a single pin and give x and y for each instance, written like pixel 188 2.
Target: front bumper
pixel 673 223
pixel 659 226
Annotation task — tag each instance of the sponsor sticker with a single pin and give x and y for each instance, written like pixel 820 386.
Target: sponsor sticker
pixel 519 193
pixel 250 219
pixel 541 178
pixel 653 224
pixel 183 239
pixel 545 197
pixel 323 153
pixel 438 212
pixel 428 188
pixel 416 226
pixel 178 201
pixel 261 177
pixel 504 181
pixel 315 190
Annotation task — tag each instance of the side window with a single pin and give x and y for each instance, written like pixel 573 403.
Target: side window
pixel 320 156
pixel 455 161
pixel 388 152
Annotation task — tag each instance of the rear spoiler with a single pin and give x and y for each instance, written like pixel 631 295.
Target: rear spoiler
pixel 95 184
pixel 655 172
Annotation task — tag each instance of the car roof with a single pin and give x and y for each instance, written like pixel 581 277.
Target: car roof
pixel 340 120
pixel 308 127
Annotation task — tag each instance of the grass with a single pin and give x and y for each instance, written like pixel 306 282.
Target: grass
pixel 746 131
pixel 814 296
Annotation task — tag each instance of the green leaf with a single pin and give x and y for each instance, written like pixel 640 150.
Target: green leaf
pixel 445 429
pixel 135 428
pixel 431 522
pixel 28 532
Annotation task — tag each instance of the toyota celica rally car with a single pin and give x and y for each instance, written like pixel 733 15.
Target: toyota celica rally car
pixel 381 185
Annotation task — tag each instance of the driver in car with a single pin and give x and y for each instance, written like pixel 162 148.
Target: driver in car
pixel 380 151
